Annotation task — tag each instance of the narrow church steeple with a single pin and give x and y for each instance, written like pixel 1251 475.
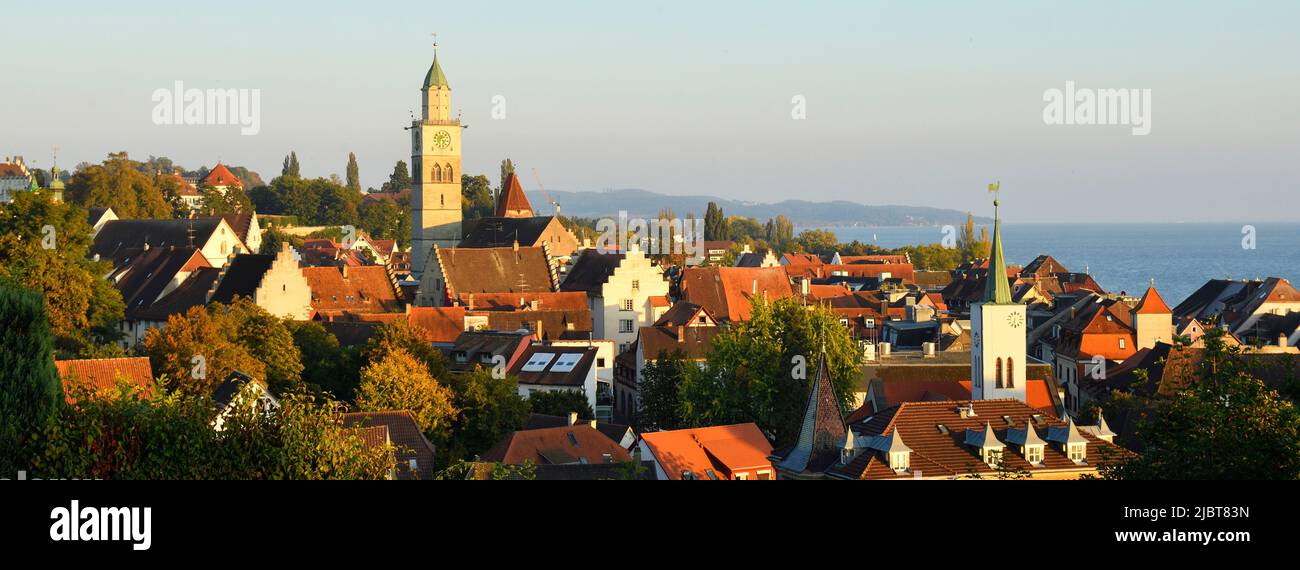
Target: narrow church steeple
pixel 996 288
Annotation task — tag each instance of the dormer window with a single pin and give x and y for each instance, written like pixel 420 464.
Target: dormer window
pixel 993 457
pixel 900 461
pixel 1078 452
pixel 1034 454
pixel 1123 344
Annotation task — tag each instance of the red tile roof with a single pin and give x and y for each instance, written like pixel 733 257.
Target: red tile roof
pixel 513 202
pixel 937 452
pixel 405 435
pixel 579 443
pixel 570 301
pixel 221 176
pixel 1152 304
pixel 366 289
pixel 722 449
pixel 726 291
pixel 102 374
pixel 443 323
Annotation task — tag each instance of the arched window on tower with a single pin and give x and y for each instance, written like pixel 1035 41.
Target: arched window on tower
pixel 437 173
pixel 1011 372
pixel 450 178
pixel 999 372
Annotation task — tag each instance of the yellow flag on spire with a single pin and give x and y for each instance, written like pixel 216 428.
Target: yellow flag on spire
pixel 995 186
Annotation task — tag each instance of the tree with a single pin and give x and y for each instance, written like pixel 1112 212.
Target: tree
pixel 44 246
pixel 507 168
pixel 561 403
pixel 779 230
pixel 325 363
pixel 1227 425
pixel 385 219
pixel 198 350
pixel 660 406
pixel 290 168
pixel 760 370
pixel 30 390
pixel 932 257
pixel 490 408
pixel 399 180
pixel 269 340
pixel 818 242
pixel 119 183
pixel 399 381
pixel 715 224
pixel 973 248
pixel 354 174
pixel 401 335
pixel 232 200
pixel 476 197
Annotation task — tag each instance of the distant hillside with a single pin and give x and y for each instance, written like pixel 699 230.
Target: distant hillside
pixel 643 204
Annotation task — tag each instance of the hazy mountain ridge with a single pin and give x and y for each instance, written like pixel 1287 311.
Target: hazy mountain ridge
pixel 644 204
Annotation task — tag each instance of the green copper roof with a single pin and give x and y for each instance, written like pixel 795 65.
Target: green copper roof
pixel 996 288
pixel 435 77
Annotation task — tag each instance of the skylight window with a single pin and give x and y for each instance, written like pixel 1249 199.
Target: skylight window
pixel 566 362
pixel 538 362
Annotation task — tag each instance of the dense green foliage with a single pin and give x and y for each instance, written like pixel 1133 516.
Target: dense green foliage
pixel 29 384
pixel 561 403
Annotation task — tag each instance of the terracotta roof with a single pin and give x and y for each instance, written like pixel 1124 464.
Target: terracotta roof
pixel 888 258
pixel 384 246
pixel 571 301
pixel 726 291
pixel 614 432
pixel 375 436
pixel 1152 304
pixel 554 323
pixel 366 289
pixel 221 176
pixel 444 324
pixel 943 452
pixel 406 437
pixel 495 270
pixel 722 449
pixel 685 313
pixel 578 443
pixel 513 202
pixel 801 259
pixel 102 374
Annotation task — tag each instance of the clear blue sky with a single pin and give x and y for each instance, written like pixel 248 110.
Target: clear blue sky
pixel 908 102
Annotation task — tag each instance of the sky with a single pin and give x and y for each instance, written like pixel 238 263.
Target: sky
pixel 915 103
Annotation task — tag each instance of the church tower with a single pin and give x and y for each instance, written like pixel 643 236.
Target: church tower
pixel 997 356
pixel 435 170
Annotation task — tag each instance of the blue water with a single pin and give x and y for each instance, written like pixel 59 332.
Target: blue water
pixel 1125 257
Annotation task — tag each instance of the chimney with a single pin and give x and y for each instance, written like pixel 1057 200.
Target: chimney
pixel 470 300
pixel 753 289
pixel 1281 340
pixel 516 246
pixel 593 424
pixel 573 418
pixel 345 270
pixel 804 285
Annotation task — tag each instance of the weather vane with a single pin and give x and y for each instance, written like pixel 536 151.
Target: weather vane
pixel 435 41
pixel 995 188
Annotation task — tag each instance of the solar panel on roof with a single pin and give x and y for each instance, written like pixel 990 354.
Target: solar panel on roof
pixel 566 362
pixel 538 362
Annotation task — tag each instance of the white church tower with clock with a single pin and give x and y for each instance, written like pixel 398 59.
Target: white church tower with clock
pixel 997 357
pixel 435 170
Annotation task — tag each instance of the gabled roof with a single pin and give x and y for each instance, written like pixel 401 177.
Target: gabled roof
pixel 192 292
pixel 242 276
pixel 724 449
pixel 102 374
pixel 144 276
pixel 572 301
pixel 553 370
pixel 694 342
pixel 513 202
pixel 684 313
pixel 579 443
pixel 822 432
pixel 239 223
pixel 495 270
pixel 613 431
pixel 221 176
pixel 366 289
pixel 120 238
pixel 726 291
pixel 590 271
pixel 505 231
pixel 406 437
pixel 944 452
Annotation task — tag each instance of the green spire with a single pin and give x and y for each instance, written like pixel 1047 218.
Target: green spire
pixel 435 77
pixel 996 289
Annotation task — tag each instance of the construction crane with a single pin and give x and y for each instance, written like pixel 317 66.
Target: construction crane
pixel 545 194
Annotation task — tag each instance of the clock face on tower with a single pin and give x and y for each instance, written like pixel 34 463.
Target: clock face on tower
pixel 1015 320
pixel 441 140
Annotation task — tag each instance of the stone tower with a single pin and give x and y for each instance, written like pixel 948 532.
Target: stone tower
pixel 435 171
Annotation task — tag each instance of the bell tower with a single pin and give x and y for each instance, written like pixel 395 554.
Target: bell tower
pixel 998 326
pixel 435 170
